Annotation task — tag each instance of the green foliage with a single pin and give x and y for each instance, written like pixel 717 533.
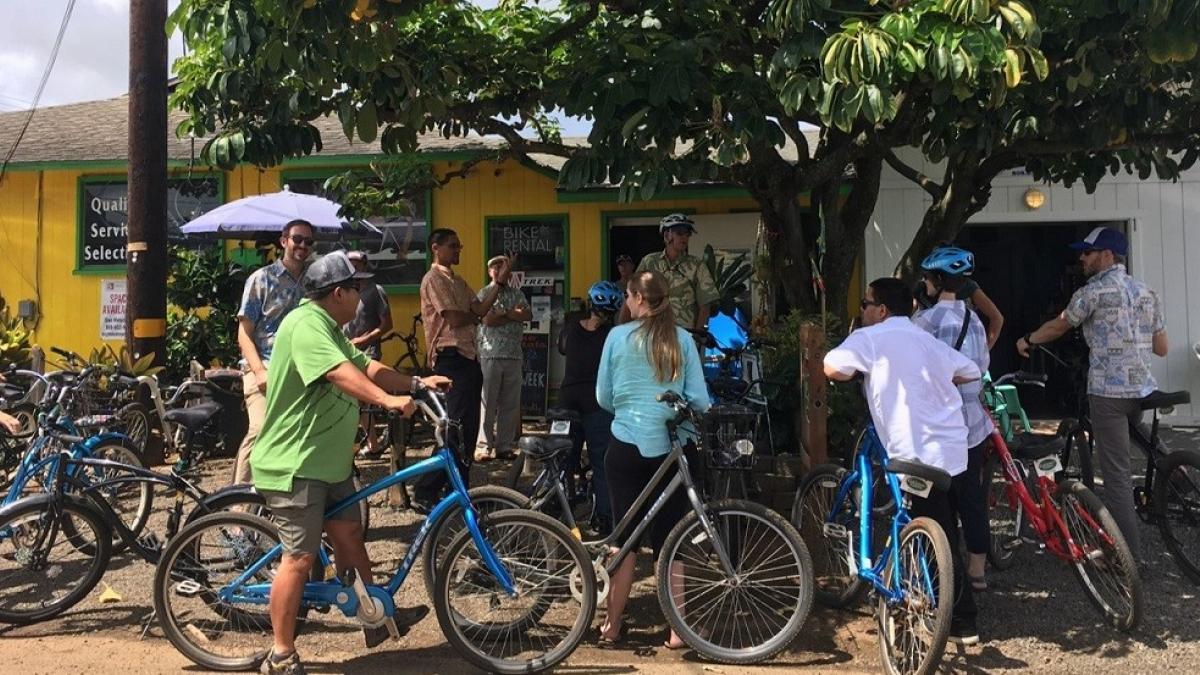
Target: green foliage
pixel 781 367
pixel 14 341
pixel 113 361
pixel 732 278
pixel 203 293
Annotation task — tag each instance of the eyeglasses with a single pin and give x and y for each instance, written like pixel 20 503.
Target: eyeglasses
pixel 864 303
pixel 456 245
pixel 1090 251
pixel 299 239
pixel 351 287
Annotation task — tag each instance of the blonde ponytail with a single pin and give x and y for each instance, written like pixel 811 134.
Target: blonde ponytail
pixel 657 331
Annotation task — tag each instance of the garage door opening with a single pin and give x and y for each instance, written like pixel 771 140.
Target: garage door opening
pixel 1028 271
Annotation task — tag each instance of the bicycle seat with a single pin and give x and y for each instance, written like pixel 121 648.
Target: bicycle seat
pixel 940 479
pixel 729 387
pixel 1031 446
pixel 542 449
pixel 193 418
pixel 1165 399
pixel 563 414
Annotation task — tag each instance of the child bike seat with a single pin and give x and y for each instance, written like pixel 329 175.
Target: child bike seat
pixel 1165 399
pixel 542 449
pixel 940 479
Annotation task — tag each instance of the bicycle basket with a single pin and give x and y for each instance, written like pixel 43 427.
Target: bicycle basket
pixel 728 436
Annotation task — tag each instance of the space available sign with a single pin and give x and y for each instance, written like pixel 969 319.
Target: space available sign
pixel 105 209
pixel 112 309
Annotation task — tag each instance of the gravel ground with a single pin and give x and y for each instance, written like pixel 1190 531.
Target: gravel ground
pixel 1035 617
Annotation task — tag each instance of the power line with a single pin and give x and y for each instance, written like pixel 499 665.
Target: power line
pixel 62 29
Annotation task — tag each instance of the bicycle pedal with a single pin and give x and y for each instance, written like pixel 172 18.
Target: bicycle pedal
pixel 150 541
pixel 835 530
pixel 188 588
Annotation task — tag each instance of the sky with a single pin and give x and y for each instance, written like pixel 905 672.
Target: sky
pixel 94 58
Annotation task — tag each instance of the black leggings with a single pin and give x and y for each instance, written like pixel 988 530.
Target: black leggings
pixel 628 473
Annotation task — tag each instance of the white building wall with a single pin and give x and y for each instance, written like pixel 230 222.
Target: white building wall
pixel 1164 243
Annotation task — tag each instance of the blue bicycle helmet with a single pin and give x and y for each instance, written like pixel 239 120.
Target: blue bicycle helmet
pixel 949 260
pixel 605 296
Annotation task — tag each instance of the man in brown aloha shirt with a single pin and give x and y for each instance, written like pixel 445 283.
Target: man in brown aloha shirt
pixel 690 285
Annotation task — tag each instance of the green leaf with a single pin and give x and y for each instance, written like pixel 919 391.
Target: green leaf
pixel 346 115
pixel 1041 68
pixel 632 123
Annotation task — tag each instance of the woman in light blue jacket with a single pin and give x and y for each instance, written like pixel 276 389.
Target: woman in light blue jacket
pixel 642 359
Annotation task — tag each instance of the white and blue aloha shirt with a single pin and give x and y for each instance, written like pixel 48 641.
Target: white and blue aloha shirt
pixel 944 321
pixel 1119 316
pixel 501 342
pixel 270 293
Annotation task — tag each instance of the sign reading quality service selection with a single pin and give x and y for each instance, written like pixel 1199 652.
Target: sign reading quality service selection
pixel 104 208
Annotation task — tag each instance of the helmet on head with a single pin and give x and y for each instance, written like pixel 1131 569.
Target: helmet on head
pixel 605 296
pixel 949 260
pixel 675 220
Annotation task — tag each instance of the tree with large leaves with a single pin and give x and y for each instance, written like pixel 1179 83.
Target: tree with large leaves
pixel 1119 97
pixel 702 90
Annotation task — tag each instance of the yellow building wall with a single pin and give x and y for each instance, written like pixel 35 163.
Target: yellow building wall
pixel 69 302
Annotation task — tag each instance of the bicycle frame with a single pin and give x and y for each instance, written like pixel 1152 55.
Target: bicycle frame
pixel 1041 515
pixel 870 450
pixel 682 479
pixel 33 464
pixel 328 592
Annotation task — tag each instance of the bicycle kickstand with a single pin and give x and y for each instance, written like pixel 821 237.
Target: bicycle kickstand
pixel 147 623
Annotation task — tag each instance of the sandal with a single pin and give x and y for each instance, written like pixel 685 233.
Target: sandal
pixel 606 642
pixel 978 584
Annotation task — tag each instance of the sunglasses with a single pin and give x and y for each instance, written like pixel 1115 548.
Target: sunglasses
pixel 351 287
pixel 454 245
pixel 299 239
pixel 864 303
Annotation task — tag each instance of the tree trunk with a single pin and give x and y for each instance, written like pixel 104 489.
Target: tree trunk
pixel 845 226
pixel 944 219
pixel 790 248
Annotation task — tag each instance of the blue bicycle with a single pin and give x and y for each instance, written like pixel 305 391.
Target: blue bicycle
pixel 58 433
pixel 515 593
pixel 911 572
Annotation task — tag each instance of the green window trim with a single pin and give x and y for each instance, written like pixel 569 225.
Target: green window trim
pixel 562 219
pixel 328 170
pixel 121 177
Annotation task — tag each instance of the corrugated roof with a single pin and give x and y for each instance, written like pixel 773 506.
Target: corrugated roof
pixel 98 131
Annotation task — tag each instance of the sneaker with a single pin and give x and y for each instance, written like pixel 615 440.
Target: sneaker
pixel 964 633
pixel 406 617
pixel 289 665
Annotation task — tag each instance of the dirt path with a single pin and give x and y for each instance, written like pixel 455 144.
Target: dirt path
pixel 1035 618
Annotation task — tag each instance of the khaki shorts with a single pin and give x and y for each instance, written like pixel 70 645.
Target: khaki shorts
pixel 300 514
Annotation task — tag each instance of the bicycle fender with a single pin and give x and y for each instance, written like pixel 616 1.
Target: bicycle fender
pixel 211 502
pixel 91 442
pixel 44 498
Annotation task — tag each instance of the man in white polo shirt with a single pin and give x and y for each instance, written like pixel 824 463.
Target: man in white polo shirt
pixel 910 380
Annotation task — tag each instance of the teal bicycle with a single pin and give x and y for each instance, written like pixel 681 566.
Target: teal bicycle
pixel 515 592
pixel 911 573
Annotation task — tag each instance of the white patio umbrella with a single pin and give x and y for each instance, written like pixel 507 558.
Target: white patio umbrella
pixel 254 217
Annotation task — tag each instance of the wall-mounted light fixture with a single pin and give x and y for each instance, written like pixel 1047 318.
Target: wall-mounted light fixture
pixel 1034 199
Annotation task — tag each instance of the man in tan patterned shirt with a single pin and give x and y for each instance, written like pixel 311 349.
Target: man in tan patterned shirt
pixel 690 286
pixel 451 313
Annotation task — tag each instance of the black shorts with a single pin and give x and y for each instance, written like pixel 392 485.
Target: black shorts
pixel 628 473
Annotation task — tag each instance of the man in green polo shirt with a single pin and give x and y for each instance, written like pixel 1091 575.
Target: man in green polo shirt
pixel 690 286
pixel 303 460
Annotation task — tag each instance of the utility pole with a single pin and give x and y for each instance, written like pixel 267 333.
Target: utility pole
pixel 146 252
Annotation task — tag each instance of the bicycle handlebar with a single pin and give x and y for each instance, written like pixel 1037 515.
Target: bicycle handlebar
pixel 1023 377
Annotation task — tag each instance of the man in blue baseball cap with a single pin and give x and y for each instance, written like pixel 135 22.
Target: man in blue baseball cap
pixel 1122 323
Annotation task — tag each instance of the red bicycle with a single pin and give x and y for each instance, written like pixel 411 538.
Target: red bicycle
pixel 1069 520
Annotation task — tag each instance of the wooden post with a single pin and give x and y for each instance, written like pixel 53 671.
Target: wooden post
pixel 146 250
pixel 813 385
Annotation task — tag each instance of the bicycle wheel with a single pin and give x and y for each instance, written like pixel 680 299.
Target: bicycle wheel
pixel 836 584
pixel 1078 449
pixel 131 500
pixel 134 421
pixel 44 570
pixel 750 616
pixel 555 602
pixel 913 631
pixel 1007 523
pixel 195 566
pixel 1106 569
pixel 1177 507
pixel 487 499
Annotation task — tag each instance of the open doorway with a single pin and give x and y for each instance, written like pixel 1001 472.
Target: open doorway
pixel 1030 273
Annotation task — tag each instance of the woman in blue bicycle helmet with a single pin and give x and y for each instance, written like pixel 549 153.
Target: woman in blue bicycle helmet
pixel 582 342
pixel 953 261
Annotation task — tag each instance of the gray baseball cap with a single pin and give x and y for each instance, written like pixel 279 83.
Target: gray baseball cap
pixel 330 270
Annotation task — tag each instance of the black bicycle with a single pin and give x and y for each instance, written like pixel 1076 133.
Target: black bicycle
pixel 1169 495
pixel 55 546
